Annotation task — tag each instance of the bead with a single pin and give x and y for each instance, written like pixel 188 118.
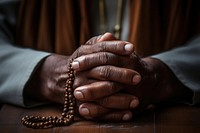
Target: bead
pixel 71 75
pixel 63 114
pixel 43 118
pixel 70 90
pixel 66 95
pixel 41 124
pixel 71 108
pixel 70 82
pixel 67 116
pixel 71 111
pixel 70 96
pixel 65 110
pixel 65 102
pixel 71 104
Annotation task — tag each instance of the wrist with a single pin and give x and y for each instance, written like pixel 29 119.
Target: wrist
pixel 168 86
pixel 32 87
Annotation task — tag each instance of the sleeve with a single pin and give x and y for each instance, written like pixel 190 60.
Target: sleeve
pixel 185 64
pixel 17 64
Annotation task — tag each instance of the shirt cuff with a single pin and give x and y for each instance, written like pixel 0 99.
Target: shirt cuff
pixel 185 63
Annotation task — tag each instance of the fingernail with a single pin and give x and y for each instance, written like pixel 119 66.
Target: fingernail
pixel 75 65
pixel 129 47
pixel 84 111
pixel 127 117
pixel 136 79
pixel 134 103
pixel 78 95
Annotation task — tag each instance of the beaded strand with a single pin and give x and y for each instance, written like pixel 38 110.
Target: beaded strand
pixel 67 116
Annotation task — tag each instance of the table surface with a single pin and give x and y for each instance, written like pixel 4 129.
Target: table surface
pixel 171 119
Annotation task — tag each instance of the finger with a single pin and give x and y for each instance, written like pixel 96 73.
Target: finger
pixel 96 90
pixel 96 59
pixel 95 112
pixel 82 79
pixel 117 47
pixel 105 37
pixel 117 116
pixel 116 74
pixel 92 110
pixel 119 101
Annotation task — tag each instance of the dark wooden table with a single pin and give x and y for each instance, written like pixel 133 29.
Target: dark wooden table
pixel 171 119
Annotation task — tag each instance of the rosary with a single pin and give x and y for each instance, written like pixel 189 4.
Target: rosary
pixel 67 116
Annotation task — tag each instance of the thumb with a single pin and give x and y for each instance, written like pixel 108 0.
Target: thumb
pixel 106 37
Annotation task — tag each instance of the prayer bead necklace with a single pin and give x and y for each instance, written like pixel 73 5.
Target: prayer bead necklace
pixel 67 116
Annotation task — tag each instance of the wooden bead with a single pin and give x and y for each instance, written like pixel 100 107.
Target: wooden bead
pixel 67 116
pixel 71 111
pixel 65 110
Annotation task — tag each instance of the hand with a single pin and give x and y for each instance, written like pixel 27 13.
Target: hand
pixel 99 87
pixel 108 73
pixel 48 80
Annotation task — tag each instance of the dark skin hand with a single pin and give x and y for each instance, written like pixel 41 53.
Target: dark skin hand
pixel 116 87
pixel 48 81
pixel 105 72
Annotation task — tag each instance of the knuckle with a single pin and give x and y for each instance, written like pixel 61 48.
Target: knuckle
pixel 85 60
pixel 77 82
pixel 115 117
pixel 117 46
pixel 112 87
pixel 104 72
pixel 92 40
pixel 102 46
pixel 78 52
pixel 106 46
pixel 82 50
pixel 89 94
pixel 104 58
pixel 89 42
pixel 104 101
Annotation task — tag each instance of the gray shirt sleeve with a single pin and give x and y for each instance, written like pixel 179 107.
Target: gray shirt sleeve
pixel 17 64
pixel 185 63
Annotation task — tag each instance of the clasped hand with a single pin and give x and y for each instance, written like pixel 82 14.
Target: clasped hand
pixel 108 73
pixel 112 82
